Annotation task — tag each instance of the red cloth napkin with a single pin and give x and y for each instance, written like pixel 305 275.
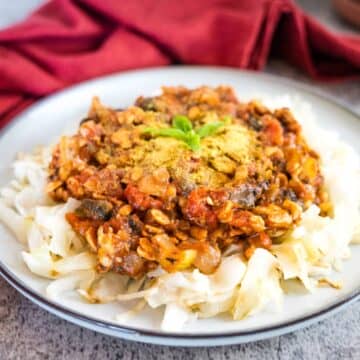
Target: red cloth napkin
pixel 66 41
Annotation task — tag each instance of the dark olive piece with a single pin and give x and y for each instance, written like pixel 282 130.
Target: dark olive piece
pixel 146 103
pixel 94 209
pixel 255 123
pixel 91 118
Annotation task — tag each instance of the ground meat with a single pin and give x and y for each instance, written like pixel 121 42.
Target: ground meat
pixel 151 200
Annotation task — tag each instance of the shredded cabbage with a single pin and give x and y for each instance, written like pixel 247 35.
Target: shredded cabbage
pixel 56 230
pixel 259 287
pixel 239 287
pixel 80 280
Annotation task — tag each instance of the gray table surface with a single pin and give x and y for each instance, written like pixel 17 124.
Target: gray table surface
pixel 28 332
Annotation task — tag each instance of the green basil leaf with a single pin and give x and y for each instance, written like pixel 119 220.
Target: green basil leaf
pixel 193 141
pixel 182 122
pixel 150 130
pixel 182 130
pixel 209 129
pixel 167 132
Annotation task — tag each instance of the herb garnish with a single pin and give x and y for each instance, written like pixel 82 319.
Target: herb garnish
pixel 182 129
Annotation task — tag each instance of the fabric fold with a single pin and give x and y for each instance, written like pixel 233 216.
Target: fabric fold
pixel 69 41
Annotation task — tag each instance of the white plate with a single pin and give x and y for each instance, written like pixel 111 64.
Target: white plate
pixel 48 118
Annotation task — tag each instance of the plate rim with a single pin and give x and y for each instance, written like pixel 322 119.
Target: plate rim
pixel 260 333
pixel 66 313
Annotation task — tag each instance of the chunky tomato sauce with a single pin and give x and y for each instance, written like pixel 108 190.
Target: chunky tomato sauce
pixel 152 200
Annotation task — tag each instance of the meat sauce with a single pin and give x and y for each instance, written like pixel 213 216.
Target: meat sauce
pixel 147 201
